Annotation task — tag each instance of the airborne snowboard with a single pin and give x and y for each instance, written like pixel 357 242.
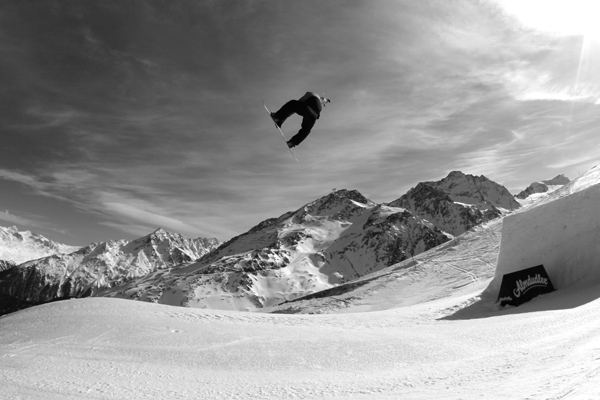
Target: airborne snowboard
pixel 280 131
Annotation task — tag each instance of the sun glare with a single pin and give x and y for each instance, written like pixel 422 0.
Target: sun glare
pixel 567 18
pixel 564 17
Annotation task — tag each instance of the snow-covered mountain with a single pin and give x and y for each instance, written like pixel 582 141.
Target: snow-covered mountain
pixel 558 180
pixel 332 240
pixel 467 264
pixel 435 333
pixel 543 186
pixel 85 271
pixel 20 246
pixel 458 202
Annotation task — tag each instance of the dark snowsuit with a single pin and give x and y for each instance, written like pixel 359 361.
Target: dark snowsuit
pixel 308 107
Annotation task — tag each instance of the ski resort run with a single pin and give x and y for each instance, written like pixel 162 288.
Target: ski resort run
pixel 426 328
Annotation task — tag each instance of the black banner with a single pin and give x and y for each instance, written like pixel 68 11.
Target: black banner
pixel 521 286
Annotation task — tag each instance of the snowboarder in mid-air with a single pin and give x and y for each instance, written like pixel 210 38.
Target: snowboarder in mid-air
pixel 309 107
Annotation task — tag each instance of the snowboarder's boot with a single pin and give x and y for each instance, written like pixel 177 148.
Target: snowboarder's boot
pixel 276 120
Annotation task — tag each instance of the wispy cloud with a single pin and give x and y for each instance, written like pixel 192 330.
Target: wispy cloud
pixel 7 217
pixel 142 114
pixel 39 186
pixel 136 212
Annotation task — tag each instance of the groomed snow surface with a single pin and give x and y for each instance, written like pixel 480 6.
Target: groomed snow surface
pixel 418 330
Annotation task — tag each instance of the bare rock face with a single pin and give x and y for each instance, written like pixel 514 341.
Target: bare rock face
pixel 4 265
pixel 535 187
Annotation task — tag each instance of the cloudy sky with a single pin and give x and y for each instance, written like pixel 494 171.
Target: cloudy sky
pixel 119 117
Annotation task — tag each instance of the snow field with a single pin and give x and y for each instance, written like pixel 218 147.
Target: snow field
pixel 99 348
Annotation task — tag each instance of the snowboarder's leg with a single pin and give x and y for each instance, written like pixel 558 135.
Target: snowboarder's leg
pixel 289 108
pixel 308 121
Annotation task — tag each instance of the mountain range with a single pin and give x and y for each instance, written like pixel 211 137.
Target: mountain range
pixel 87 270
pixel 331 241
pixel 335 239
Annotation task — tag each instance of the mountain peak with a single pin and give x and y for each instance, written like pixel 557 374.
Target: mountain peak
pixel 460 176
pixel 557 180
pixel 161 233
pixel 347 194
pixel 457 202
pixel 455 175
pixel 338 204
pixel 543 186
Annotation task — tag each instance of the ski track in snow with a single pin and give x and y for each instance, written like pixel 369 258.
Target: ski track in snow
pixel 453 268
pixel 101 348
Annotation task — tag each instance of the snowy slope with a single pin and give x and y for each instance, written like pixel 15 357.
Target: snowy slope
pixel 332 240
pixel 465 264
pixel 99 348
pixel 20 246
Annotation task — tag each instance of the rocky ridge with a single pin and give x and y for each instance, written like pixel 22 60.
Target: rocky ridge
pixel 4 265
pixel 543 186
pixel 458 202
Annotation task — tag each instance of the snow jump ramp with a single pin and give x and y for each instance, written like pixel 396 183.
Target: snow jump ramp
pixel 563 235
